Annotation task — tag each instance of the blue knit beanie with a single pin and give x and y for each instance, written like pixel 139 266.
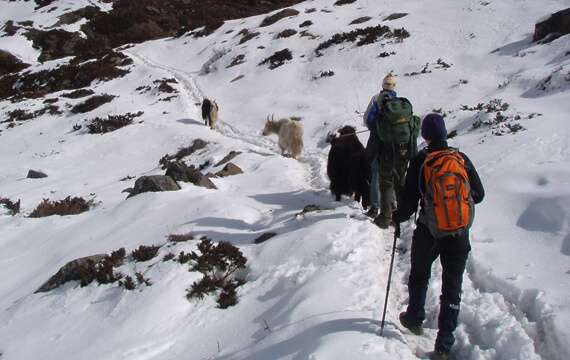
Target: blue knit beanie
pixel 433 128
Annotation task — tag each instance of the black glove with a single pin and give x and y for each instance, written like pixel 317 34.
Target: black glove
pixel 396 217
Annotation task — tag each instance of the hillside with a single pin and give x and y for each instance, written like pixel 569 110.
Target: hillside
pixel 315 290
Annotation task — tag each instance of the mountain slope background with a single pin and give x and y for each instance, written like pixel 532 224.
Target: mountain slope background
pixel 316 289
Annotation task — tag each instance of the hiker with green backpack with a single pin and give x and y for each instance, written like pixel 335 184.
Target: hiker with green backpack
pixel 447 187
pixel 392 143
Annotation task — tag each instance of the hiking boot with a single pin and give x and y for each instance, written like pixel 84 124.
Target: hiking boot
pixel 382 221
pixel 415 329
pixel 439 355
pixel 372 212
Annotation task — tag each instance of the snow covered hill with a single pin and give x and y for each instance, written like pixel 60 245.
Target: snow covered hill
pixel 315 290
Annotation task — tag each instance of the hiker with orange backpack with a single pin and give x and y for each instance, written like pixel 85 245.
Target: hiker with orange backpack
pixel 447 186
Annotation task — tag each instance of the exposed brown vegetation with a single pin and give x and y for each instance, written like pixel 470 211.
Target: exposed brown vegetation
pixel 394 16
pixel 78 94
pixel 364 36
pixel 360 20
pixel 218 263
pixel 278 59
pixel 272 19
pixel 239 59
pixel 165 87
pixel 20 115
pixel 67 77
pixel 10 64
pixel 168 257
pixel 88 12
pixel 13 207
pixel 177 238
pixel 247 35
pixel 145 253
pixel 92 103
pixel 10 29
pixel 344 2
pixel 286 33
pixel 67 206
pixel 111 123
pixel 142 20
pixel 57 43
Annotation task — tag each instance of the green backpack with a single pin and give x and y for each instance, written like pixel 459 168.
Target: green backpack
pixel 396 124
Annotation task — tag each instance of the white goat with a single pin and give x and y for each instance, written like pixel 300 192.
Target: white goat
pixel 290 134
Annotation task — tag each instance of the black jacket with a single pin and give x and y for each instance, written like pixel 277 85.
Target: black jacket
pixel 411 194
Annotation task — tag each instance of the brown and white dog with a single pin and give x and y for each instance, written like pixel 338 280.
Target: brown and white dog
pixel 210 113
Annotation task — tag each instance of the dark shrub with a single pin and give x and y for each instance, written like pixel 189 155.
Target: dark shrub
pixel 286 33
pixel 278 58
pixel 66 77
pixel 364 36
pixel 101 271
pixel 78 94
pixel 272 19
pixel 223 257
pixel 247 35
pixel 13 207
pixel 183 258
pixel 10 64
pixel 218 263
pixel 168 257
pixel 360 20
pixel 176 238
pixel 164 85
pixel 128 283
pixel 306 23
pixel 142 280
pixel 58 43
pixel 239 59
pixel 92 103
pixel 145 253
pixel 111 123
pixel 67 206
pixel 200 289
pixel 344 2
pixel 117 257
pixel 395 16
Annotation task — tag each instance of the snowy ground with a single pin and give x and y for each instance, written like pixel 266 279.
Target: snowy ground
pixel 316 290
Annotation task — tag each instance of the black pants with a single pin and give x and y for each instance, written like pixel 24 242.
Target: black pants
pixel 453 253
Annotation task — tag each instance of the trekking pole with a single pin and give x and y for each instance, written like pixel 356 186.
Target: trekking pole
pixel 396 236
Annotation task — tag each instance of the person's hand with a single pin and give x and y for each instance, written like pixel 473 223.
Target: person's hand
pixel 396 217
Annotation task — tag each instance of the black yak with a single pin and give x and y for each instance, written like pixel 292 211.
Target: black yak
pixel 348 168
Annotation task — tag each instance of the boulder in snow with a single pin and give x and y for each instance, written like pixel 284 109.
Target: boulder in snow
pixel 181 172
pixel 553 27
pixel 229 170
pixel 153 183
pixel 34 174
pixel 70 272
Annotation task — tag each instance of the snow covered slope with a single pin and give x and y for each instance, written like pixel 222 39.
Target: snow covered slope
pixel 314 291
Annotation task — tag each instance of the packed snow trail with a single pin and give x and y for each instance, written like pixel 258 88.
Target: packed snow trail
pixel 193 95
pixel 490 327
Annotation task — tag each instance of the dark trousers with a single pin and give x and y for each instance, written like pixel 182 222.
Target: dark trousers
pixel 453 253
pixel 392 171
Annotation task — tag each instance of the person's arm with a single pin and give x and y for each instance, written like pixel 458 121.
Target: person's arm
pixel 368 112
pixel 477 190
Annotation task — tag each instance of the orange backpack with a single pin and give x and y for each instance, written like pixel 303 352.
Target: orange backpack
pixel 448 204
